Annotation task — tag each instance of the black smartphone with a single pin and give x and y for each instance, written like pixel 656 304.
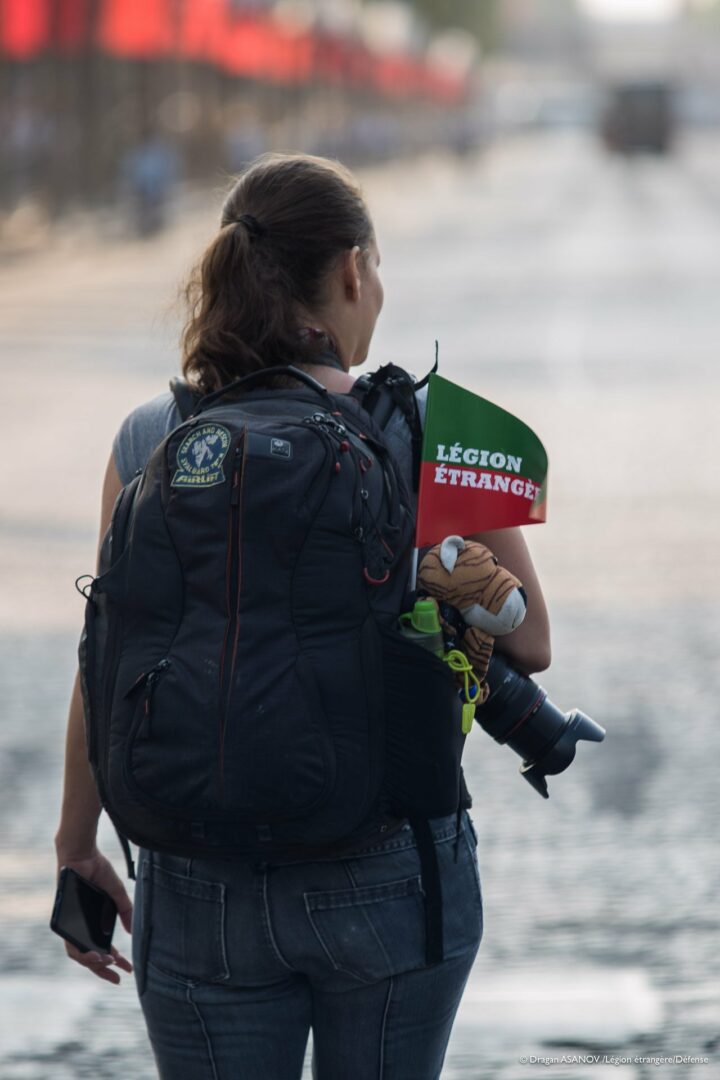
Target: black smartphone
pixel 83 913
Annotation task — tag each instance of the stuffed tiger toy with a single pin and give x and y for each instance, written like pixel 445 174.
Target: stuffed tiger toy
pixel 490 600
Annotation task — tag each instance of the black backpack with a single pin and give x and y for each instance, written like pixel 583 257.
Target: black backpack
pixel 247 692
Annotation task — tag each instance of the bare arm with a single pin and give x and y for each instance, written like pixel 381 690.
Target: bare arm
pixel 528 647
pixel 80 803
pixel 75 838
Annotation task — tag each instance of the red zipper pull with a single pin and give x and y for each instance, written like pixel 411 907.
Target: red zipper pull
pixel 138 682
pixel 150 681
pixel 375 581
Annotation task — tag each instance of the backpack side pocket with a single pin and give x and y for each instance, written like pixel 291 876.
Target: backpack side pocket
pixel 424 738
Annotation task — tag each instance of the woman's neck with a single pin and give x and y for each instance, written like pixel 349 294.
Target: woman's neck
pixel 331 373
pixel 334 380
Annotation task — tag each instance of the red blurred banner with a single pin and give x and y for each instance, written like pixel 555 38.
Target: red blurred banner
pixel 257 46
pixel 249 44
pixel 72 28
pixel 201 29
pixel 24 27
pixel 137 28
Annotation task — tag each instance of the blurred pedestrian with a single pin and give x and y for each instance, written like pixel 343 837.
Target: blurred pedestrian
pixel 149 174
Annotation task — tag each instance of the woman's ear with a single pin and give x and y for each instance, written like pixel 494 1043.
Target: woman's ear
pixel 351 274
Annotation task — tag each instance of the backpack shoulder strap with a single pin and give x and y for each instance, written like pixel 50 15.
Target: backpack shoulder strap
pixel 186 398
pixel 390 388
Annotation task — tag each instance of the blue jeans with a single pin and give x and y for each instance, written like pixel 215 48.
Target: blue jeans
pixel 244 960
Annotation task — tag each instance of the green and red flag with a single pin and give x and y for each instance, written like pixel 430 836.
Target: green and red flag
pixel 482 468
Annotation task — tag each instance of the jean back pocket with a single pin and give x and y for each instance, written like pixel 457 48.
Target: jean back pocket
pixel 188 927
pixel 373 931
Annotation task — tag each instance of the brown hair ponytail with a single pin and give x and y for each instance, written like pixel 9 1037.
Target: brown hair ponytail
pixel 285 221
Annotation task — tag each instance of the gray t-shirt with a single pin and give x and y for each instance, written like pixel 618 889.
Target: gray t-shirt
pixel 147 425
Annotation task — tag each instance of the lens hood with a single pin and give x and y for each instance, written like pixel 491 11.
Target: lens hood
pixel 519 713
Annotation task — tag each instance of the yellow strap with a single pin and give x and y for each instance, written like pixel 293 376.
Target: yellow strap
pixel 458 662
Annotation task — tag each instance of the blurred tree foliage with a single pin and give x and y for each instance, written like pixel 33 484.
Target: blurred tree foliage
pixel 480 17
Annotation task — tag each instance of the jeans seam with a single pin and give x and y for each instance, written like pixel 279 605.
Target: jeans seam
pixel 319 937
pixel 208 1042
pixel 391 848
pixel 364 895
pixel 268 923
pixel 146 920
pixel 383 1031
pixel 174 977
pixel 221 933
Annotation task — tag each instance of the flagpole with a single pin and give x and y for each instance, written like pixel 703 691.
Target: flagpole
pixel 416 550
pixel 414 570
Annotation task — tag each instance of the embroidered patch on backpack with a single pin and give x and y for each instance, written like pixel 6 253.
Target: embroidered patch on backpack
pixel 200 457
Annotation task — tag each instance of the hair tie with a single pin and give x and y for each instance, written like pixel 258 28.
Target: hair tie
pixel 253 226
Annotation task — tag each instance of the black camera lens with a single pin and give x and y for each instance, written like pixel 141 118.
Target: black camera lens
pixel 519 713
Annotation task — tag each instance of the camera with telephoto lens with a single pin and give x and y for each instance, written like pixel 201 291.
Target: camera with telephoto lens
pixel 518 713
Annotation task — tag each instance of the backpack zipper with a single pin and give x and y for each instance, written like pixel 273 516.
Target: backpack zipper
pixel 338 432
pixel 148 680
pixel 335 434
pixel 232 595
pixel 332 433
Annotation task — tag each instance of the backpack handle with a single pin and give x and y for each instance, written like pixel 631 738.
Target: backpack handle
pixel 255 376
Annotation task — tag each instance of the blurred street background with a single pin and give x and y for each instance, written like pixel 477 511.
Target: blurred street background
pixel 544 177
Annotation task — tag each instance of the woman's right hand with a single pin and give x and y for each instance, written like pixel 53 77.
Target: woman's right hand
pixel 99 870
pixel 75 837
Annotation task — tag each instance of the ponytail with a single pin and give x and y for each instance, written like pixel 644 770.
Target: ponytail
pixel 285 221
